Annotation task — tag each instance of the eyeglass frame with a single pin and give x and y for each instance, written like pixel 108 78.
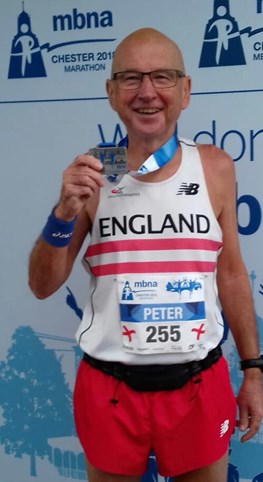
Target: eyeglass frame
pixel 179 75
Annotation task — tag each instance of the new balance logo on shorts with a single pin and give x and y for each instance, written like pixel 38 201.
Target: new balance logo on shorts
pixel 224 427
pixel 188 189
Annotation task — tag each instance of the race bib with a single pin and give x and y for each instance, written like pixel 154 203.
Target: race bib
pixel 162 313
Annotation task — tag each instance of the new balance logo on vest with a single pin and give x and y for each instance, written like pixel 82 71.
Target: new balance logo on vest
pixel 188 189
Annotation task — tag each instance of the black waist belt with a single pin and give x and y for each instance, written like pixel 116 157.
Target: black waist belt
pixel 148 378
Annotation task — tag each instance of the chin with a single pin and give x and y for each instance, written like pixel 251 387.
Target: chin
pixel 150 127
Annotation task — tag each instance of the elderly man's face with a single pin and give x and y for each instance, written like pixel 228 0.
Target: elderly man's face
pixel 149 112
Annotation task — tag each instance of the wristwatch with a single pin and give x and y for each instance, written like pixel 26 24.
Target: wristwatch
pixel 252 363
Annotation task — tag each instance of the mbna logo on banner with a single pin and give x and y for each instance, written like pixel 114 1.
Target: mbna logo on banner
pixel 26 58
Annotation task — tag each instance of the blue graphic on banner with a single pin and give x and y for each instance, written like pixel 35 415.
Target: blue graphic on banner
pixel 35 399
pixel 258 478
pixel 26 52
pixel 26 58
pixel 151 475
pixel 222 41
pixel 233 473
pixel 72 303
pixel 163 312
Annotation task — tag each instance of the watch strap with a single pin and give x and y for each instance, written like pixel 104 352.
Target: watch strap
pixel 252 363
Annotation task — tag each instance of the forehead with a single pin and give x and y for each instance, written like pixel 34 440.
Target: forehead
pixel 146 55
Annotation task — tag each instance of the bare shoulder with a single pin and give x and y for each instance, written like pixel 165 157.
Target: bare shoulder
pixel 219 174
pixel 215 159
pixel 218 167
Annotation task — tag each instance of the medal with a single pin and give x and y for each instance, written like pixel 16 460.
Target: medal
pixel 114 158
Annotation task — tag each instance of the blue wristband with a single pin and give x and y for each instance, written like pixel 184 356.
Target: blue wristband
pixel 58 233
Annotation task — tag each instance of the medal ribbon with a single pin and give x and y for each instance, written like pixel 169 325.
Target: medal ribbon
pixel 158 159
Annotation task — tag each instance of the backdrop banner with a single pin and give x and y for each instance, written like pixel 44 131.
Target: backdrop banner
pixel 55 57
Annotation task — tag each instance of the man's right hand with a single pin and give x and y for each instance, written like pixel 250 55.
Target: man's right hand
pixel 80 181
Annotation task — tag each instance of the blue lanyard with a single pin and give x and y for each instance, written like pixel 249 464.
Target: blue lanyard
pixel 158 159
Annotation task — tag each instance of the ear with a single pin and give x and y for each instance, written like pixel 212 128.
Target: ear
pixel 186 91
pixel 110 92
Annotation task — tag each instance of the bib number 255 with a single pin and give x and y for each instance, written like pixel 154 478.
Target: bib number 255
pixel 163 333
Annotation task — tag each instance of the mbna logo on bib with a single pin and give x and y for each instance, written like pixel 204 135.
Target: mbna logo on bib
pixel 222 43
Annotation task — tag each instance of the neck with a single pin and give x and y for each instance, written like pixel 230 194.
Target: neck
pixel 140 150
pixel 166 171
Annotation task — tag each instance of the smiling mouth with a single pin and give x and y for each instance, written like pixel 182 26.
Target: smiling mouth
pixel 148 111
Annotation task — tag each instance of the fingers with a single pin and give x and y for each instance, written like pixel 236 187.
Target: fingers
pixel 250 425
pixel 88 161
pixel 250 404
pixel 85 171
pixel 80 181
pixel 250 413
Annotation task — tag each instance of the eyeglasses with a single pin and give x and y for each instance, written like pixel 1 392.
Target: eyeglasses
pixel 161 79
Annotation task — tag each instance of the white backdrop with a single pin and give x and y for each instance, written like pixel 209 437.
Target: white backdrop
pixel 55 57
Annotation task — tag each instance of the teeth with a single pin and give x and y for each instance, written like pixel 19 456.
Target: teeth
pixel 148 111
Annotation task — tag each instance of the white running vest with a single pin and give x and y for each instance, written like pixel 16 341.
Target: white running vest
pixel 152 263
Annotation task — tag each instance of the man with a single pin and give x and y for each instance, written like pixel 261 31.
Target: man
pixel 153 377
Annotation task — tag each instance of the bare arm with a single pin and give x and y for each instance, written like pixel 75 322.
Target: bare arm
pixel 234 288
pixel 49 266
pixel 236 299
pixel 232 278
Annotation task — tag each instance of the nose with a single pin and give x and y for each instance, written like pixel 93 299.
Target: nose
pixel 146 88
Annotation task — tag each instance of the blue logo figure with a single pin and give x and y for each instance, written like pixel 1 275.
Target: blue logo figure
pixel 258 478
pixel 26 58
pixel 222 42
pixel 127 292
pixel 183 285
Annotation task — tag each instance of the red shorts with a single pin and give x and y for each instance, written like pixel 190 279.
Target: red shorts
pixel 187 428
